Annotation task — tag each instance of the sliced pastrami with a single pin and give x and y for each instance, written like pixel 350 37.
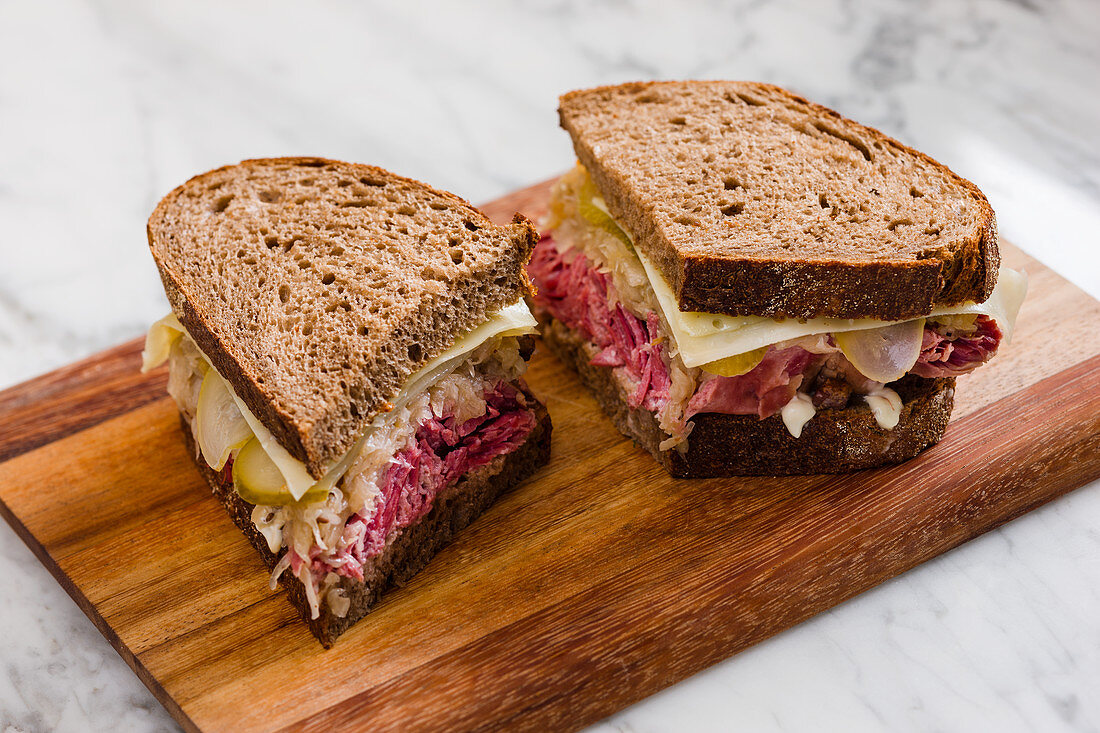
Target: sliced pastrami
pixel 441 452
pixel 574 291
pixel 951 355
pixel 762 391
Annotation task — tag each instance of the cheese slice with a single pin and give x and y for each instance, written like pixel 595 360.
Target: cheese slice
pixel 706 337
pixel 513 320
pixel 702 338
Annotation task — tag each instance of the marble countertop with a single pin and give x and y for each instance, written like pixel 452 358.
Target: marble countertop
pixel 106 105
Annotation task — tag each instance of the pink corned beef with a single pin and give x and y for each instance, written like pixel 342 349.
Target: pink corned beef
pixel 574 292
pixel 635 351
pixel 944 357
pixel 582 297
pixel 438 455
pixel 762 391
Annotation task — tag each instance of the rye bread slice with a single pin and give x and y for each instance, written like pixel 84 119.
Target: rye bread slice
pixel 834 441
pixel 418 543
pixel 317 287
pixel 754 201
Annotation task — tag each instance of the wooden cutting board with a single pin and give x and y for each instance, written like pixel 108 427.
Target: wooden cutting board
pixel 594 584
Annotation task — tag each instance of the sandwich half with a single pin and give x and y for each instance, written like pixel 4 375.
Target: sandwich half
pixel 346 349
pixel 752 284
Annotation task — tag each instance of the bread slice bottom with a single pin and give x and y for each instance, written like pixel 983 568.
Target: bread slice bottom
pixel 835 441
pixel 452 510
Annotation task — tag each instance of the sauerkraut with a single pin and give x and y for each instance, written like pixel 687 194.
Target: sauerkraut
pixel 590 278
pixel 312 537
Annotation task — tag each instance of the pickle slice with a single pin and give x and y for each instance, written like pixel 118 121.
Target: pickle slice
pixel 259 481
pixel 736 365
pixel 596 216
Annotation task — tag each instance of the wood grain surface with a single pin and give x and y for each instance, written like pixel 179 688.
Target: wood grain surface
pixel 592 585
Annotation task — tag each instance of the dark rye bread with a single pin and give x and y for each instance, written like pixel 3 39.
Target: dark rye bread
pixel 317 287
pixel 834 441
pixel 754 201
pixel 416 544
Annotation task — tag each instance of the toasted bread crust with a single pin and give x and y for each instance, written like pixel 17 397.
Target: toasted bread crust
pixel 244 380
pixel 451 512
pixel 834 441
pixel 312 347
pixel 947 273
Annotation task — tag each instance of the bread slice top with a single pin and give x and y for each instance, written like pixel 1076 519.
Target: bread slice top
pixel 753 201
pixel 318 287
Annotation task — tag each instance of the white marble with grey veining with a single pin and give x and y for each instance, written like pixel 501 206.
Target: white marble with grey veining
pixel 106 105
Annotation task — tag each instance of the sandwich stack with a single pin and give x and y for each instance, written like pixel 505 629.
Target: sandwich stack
pixel 752 284
pixel 346 349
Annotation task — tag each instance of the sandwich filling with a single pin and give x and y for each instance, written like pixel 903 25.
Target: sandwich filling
pixel 457 414
pixel 677 365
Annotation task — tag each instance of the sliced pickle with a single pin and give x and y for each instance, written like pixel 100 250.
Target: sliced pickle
pixel 259 481
pixel 220 427
pixel 736 365
pixel 596 216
